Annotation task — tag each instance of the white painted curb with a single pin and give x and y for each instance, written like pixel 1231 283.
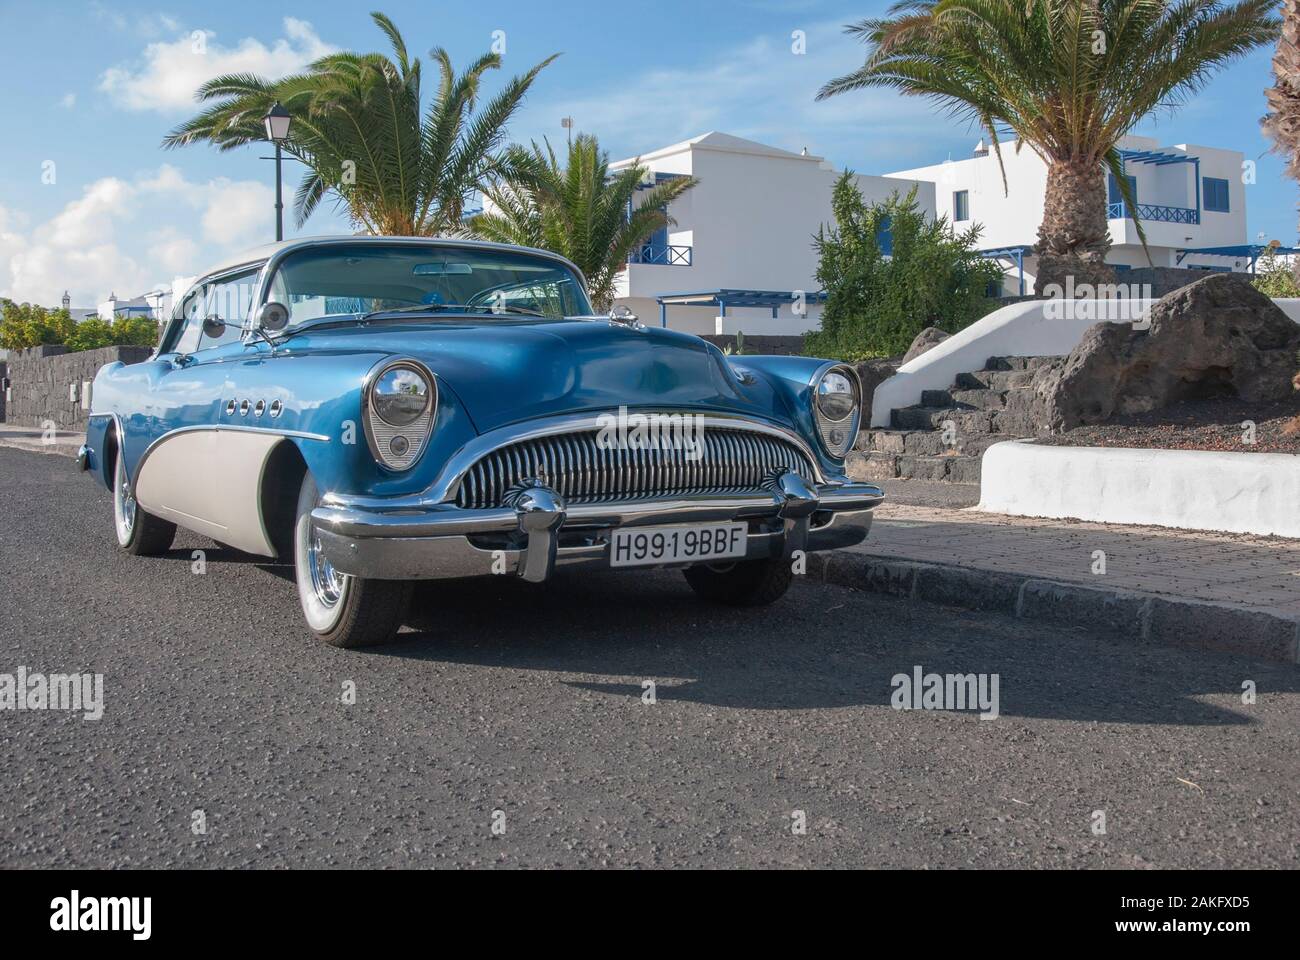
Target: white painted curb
pixel 1190 489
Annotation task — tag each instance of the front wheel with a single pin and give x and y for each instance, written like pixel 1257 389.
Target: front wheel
pixel 138 531
pixel 343 611
pixel 745 583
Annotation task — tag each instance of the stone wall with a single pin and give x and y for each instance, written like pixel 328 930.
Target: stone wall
pixel 760 345
pixel 40 379
pixel 1163 280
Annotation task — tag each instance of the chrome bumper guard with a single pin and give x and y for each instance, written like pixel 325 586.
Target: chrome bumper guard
pixel 536 531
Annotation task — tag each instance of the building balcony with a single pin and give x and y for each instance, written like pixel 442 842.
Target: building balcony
pixel 1155 212
pixel 664 256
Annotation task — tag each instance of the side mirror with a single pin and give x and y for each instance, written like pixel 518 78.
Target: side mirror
pixel 213 327
pixel 273 316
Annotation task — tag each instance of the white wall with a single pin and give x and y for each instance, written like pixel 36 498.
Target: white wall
pixel 1188 489
pixel 751 222
pixel 1010 215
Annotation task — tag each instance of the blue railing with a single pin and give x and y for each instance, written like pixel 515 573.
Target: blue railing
pixel 1152 211
pixel 668 256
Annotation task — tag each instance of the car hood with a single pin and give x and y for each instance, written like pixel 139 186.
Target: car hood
pixel 507 371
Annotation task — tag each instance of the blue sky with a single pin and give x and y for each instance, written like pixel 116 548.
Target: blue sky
pixel 90 202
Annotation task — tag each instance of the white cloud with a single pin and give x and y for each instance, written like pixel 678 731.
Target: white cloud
pixel 171 71
pixel 68 101
pixel 761 90
pixel 107 240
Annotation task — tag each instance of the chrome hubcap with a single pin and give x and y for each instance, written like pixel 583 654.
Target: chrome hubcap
pixel 326 582
pixel 123 508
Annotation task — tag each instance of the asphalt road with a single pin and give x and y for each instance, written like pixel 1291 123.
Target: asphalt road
pixel 529 701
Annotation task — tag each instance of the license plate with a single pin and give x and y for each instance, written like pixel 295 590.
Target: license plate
pixel 647 546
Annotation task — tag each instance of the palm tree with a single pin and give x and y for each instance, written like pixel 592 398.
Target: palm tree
pixel 580 210
pixel 1069 78
pixel 361 129
pixel 1283 120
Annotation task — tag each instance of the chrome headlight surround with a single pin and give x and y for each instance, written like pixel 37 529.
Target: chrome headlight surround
pixel 837 407
pixel 397 447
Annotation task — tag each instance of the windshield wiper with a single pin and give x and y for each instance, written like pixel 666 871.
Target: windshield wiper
pixel 444 307
pixel 412 308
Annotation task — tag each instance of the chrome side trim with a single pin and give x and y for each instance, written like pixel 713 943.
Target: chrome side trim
pixel 227 428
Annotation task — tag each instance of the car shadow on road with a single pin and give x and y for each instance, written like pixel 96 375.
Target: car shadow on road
pixel 218 553
pixel 819 648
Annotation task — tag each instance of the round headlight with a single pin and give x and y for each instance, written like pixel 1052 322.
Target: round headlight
pixel 837 397
pixel 400 396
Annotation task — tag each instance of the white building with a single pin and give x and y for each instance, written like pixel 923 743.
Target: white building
pixel 742 244
pixel 1189 198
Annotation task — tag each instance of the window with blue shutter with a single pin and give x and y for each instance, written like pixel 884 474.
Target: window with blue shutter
pixel 1115 196
pixel 961 206
pixel 885 237
pixel 1216 194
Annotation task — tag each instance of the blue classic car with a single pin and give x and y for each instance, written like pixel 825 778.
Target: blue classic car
pixel 386 410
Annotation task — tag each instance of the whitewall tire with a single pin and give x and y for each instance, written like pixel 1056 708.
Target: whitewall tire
pixel 138 531
pixel 343 611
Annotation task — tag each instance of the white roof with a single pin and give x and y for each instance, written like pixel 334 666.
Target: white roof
pixel 266 251
pixel 722 142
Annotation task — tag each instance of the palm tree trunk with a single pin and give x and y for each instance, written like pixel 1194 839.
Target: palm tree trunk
pixel 1283 120
pixel 1074 236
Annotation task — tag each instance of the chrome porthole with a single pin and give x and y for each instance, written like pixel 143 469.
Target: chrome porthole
pixel 259 408
pixel 243 408
pixel 277 408
pixel 230 408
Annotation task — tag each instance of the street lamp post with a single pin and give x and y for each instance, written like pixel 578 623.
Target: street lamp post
pixel 277 131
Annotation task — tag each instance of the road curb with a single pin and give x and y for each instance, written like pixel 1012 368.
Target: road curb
pixel 37 446
pixel 1138 618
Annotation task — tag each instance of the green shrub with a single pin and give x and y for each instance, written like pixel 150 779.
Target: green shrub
pixel 1273 277
pixel 877 304
pixel 135 330
pixel 24 325
pixel 90 334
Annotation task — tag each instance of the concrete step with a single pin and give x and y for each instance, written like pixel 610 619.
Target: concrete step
pixel 937 398
pixel 954 399
pixel 998 380
pixel 964 422
pixel 978 399
pixel 1018 363
pixel 885 466
pixel 925 443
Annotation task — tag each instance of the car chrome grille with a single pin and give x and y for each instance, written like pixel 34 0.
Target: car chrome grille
pixel 581 470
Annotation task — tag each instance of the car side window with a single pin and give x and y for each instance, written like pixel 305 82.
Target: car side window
pixel 228 298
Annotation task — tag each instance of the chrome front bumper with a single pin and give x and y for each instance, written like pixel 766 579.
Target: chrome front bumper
pixel 538 532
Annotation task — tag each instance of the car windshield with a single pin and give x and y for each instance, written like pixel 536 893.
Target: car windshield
pixel 346 280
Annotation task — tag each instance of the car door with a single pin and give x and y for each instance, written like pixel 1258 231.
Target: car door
pixel 198 471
